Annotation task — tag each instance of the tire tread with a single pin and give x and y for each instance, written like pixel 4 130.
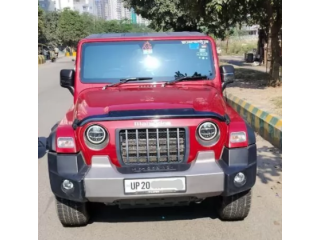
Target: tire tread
pixel 235 207
pixel 71 213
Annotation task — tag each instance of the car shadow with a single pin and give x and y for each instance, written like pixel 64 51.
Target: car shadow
pixel 246 75
pixel 249 78
pixel 239 63
pixel 102 213
pixel 269 164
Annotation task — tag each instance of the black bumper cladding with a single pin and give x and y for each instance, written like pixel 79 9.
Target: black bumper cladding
pixel 67 167
pixel 239 160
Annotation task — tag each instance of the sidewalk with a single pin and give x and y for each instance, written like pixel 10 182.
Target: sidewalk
pixel 251 85
pixel 239 62
pixel 258 104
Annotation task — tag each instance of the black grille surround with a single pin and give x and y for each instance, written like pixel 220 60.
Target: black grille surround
pixel 152 146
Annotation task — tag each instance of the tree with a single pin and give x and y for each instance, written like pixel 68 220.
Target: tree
pixel 272 23
pixel 217 17
pixel 268 14
pixel 41 28
pixel 68 27
pixel 210 17
pixel 51 26
pixel 165 15
pixel 71 27
pixel 228 13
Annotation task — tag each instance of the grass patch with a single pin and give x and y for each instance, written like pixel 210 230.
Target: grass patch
pixel 223 63
pixel 277 101
pixel 237 47
pixel 249 75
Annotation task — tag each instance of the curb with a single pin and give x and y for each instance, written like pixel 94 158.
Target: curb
pixel 41 59
pixel 74 54
pixel 267 125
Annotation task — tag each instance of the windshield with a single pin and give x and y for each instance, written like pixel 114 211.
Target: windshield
pixel 108 62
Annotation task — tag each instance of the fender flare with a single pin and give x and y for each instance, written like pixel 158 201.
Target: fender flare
pixel 51 140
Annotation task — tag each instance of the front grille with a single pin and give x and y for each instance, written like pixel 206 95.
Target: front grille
pixel 152 146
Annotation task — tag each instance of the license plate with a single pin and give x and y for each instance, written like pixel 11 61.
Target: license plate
pixel 155 185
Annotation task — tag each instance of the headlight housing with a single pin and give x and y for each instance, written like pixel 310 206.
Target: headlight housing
pixel 208 133
pixel 96 137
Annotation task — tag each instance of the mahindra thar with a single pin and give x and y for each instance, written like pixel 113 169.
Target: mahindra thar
pixel 149 126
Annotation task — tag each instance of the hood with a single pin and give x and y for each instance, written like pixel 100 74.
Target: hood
pixel 97 101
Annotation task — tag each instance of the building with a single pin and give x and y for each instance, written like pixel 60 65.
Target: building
pixel 251 31
pixel 55 5
pixel 117 11
pixel 113 10
pixel 61 4
pixel 105 9
pixel 123 13
pixel 84 6
pixel 100 8
pixel 47 5
pixel 133 17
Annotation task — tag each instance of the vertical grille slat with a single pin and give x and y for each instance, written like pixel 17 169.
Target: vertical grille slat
pixel 127 145
pixel 137 141
pixel 178 145
pixel 147 137
pixel 152 146
pixel 168 145
pixel 158 150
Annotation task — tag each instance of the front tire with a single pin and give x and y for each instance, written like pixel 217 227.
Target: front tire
pixel 235 207
pixel 72 214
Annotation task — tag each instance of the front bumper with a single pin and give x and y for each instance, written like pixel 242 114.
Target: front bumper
pixel 102 182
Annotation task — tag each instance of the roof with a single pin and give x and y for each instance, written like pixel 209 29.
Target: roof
pixel 155 34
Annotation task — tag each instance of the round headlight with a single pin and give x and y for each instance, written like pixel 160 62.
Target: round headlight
pixel 208 131
pixel 96 134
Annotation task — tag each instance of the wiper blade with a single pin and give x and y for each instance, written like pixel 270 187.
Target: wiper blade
pixel 187 78
pixel 124 80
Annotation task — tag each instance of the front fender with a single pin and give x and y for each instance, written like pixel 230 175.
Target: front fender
pixel 51 140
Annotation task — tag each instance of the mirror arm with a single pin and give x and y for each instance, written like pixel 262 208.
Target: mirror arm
pixel 71 90
pixel 224 85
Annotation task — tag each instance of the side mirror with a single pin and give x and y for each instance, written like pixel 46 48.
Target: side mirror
pixel 227 75
pixel 67 79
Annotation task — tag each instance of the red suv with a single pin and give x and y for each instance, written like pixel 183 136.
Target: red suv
pixel 148 127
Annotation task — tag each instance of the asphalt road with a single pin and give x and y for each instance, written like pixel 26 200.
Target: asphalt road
pixel 195 222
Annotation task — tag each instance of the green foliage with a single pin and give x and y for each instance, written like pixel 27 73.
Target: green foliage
pixel 68 27
pixel 215 17
pixel 41 26
pixel 165 15
pixel 211 17
pixel 238 32
pixel 71 27
pixel 51 28
pixel 236 47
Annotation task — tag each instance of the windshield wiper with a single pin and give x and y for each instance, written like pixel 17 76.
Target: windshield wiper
pixel 186 78
pixel 124 80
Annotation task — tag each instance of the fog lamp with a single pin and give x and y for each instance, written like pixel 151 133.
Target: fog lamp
pixel 240 179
